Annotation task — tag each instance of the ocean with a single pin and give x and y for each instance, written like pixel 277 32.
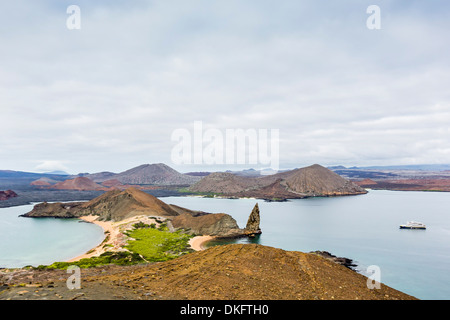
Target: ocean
pixel 36 241
pixel 364 228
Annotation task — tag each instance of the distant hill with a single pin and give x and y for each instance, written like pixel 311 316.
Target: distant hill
pixel 310 181
pixel 420 167
pixel 29 175
pixel 316 180
pixel 17 180
pixel 5 195
pixel 43 182
pixel 150 174
pixel 79 183
pixel 100 176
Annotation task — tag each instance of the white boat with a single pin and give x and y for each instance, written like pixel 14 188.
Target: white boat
pixel 413 225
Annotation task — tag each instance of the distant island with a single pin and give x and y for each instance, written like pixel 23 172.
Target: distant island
pixel 312 181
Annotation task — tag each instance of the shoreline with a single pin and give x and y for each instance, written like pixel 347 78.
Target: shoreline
pixel 198 243
pixel 111 235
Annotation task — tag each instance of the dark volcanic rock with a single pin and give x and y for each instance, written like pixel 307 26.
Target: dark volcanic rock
pixel 55 210
pixel 252 226
pixel 8 194
pixel 346 262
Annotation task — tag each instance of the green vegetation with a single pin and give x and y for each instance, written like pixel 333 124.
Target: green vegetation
pixel 198 193
pixel 158 244
pixel 122 258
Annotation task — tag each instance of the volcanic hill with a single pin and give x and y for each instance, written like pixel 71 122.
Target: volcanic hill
pixel 147 174
pixel 310 181
pixel 79 183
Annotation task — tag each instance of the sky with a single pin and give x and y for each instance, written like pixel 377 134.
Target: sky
pixel 109 95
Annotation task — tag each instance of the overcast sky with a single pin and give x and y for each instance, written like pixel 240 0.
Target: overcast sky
pixel 108 97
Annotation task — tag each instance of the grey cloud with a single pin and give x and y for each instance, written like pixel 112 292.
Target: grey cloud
pixel 108 96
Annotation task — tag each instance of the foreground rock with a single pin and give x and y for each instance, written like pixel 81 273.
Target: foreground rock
pixel 244 272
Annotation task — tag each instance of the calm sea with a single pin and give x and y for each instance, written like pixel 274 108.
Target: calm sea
pixel 35 241
pixel 364 228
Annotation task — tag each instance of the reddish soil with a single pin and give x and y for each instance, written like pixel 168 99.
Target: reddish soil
pixel 244 272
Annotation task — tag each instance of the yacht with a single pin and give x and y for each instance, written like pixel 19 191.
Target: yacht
pixel 413 225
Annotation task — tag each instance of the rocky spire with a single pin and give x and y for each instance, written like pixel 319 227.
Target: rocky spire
pixel 252 227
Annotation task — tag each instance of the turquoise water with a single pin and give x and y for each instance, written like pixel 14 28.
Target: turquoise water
pixel 35 241
pixel 364 228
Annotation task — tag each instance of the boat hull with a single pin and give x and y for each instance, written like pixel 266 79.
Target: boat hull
pixel 408 227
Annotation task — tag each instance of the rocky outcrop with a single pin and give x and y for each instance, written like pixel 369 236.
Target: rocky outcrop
pixel 217 224
pixel 346 262
pixel 252 228
pixel 8 194
pixel 220 225
pixel 56 210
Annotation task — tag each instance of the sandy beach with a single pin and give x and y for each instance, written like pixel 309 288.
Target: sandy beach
pixel 197 243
